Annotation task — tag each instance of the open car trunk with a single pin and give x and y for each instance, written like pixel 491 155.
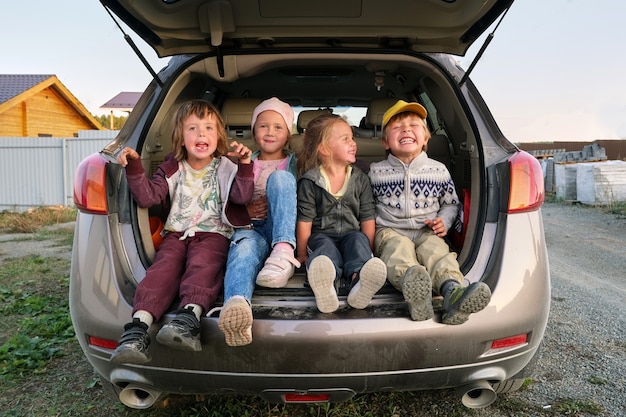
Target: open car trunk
pixel 368 83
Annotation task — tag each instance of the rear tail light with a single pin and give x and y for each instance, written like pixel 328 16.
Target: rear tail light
pixel 527 191
pixel 306 398
pixel 103 343
pixel 89 185
pixel 509 342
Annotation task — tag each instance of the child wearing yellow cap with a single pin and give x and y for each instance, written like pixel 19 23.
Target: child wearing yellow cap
pixel 416 205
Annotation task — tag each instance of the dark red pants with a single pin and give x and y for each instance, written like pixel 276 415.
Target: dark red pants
pixel 192 269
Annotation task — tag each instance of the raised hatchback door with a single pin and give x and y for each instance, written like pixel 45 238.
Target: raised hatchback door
pixel 175 27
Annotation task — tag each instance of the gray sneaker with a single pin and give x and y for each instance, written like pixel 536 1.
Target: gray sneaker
pixel 134 344
pixel 417 291
pixel 183 332
pixel 463 301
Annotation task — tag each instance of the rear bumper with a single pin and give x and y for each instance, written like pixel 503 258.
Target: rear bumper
pixel 270 385
pixel 347 352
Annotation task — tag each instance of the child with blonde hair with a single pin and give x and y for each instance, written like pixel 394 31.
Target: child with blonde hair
pixel 416 204
pixel 336 212
pixel 200 185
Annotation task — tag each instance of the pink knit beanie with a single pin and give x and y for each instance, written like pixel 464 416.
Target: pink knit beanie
pixel 279 107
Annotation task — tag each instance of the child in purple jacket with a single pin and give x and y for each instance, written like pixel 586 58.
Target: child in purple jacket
pixel 203 188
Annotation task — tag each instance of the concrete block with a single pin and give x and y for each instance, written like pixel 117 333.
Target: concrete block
pixel 565 181
pixel 601 183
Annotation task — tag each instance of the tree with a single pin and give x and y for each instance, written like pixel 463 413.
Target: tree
pixel 105 121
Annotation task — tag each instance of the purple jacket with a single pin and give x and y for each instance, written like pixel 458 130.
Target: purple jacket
pixel 236 183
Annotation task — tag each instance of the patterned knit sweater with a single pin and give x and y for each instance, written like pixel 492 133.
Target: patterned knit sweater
pixel 406 195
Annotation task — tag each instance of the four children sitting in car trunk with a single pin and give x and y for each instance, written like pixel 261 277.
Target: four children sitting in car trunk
pixel 415 205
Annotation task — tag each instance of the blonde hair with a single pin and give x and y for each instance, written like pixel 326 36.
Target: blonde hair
pixel 404 115
pixel 318 132
pixel 201 109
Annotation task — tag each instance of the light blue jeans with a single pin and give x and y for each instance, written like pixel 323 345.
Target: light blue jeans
pixel 250 247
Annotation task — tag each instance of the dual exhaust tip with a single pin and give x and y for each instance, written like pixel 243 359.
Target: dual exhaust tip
pixel 139 397
pixel 479 394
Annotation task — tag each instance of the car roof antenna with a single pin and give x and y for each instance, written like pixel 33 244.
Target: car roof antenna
pixel 482 49
pixel 137 51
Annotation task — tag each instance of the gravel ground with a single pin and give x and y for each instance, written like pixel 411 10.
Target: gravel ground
pixel 15 245
pixel 584 353
pixel 584 349
pixel 583 356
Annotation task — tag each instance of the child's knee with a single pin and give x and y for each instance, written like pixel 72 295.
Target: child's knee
pixel 281 180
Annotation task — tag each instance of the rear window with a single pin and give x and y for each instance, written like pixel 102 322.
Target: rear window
pixel 354 115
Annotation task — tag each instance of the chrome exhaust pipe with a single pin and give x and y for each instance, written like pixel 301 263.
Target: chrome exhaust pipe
pixel 135 396
pixel 479 394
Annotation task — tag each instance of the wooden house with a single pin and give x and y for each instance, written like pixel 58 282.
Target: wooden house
pixel 41 106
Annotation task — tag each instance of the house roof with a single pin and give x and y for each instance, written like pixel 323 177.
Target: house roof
pixel 126 100
pixel 12 85
pixel 15 88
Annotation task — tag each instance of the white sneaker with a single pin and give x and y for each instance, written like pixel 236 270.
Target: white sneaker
pixel 321 275
pixel 236 321
pixel 278 268
pixel 371 278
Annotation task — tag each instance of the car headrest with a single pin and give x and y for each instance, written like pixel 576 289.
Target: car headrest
pixel 376 110
pixel 238 111
pixel 306 116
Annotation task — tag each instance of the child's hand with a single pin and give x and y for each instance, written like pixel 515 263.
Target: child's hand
pixel 257 209
pixel 125 155
pixel 437 226
pixel 302 258
pixel 240 151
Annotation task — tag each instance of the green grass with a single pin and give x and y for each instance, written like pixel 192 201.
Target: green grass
pixel 61 237
pixel 37 324
pixel 576 407
pixel 617 208
pixel 596 380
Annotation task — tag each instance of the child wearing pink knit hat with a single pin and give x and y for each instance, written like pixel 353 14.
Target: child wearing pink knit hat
pixel 264 252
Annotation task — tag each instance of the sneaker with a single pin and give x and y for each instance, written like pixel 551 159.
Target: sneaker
pixel 134 343
pixel 236 321
pixel 417 291
pixel 278 268
pixel 459 303
pixel 321 275
pixel 370 279
pixel 183 332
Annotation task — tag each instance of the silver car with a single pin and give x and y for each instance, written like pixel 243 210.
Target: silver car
pixel 355 58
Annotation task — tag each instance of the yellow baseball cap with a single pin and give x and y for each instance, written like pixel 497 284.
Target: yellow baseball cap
pixel 402 106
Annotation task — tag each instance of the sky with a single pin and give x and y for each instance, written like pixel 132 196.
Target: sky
pixel 555 70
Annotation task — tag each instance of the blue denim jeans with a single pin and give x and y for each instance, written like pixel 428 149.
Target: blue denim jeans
pixel 250 247
pixel 348 251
